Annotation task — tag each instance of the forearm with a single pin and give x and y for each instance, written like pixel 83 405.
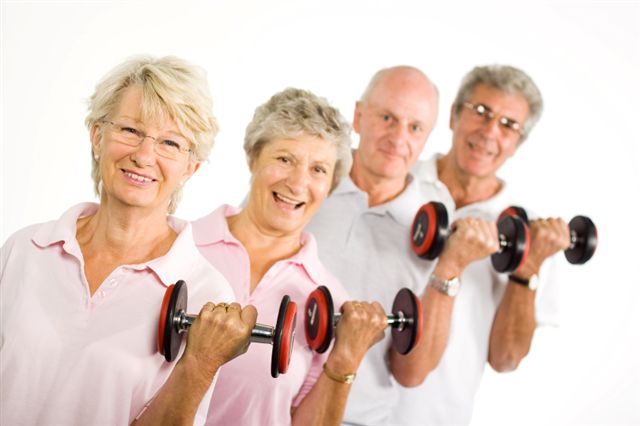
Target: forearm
pixel 411 369
pixel 177 401
pixel 326 402
pixel 513 328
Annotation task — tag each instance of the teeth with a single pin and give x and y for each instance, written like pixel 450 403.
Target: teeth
pixel 138 177
pixel 477 147
pixel 288 200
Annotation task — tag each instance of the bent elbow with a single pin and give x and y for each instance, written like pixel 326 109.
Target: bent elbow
pixel 506 362
pixel 410 379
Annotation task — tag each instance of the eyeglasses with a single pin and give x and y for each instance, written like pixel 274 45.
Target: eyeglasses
pixel 170 147
pixel 483 111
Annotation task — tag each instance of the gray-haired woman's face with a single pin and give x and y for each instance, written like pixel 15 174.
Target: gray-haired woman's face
pixel 290 180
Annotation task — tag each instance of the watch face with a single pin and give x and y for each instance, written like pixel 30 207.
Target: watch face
pixel 453 287
pixel 533 283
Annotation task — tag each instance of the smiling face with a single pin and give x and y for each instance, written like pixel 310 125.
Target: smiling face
pixel 136 176
pixel 290 180
pixel 481 145
pixel 394 123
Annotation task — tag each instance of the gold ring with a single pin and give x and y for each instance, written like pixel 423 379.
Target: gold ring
pixel 356 305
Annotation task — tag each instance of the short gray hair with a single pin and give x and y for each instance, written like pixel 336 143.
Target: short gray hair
pixel 507 79
pixel 171 88
pixel 293 113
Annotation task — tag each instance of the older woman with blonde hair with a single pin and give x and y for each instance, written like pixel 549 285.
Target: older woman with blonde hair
pixel 298 148
pixel 80 296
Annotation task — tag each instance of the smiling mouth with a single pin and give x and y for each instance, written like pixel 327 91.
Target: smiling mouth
pixel 137 177
pixel 480 149
pixel 282 199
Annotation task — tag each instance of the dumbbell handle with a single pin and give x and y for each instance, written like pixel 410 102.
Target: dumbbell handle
pixel 573 239
pixel 259 334
pixel 502 240
pixel 396 321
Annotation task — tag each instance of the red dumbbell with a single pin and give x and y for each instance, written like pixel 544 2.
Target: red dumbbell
pixel 582 233
pixel 405 322
pixel 174 321
pixel 430 229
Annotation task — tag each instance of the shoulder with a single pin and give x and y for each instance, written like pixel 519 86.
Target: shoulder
pixel 23 237
pixel 207 283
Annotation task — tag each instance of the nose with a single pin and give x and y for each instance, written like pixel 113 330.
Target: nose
pixel 298 179
pixel 145 153
pixel 399 134
pixel 491 127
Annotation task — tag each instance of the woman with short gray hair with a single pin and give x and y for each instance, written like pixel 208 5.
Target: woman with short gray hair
pixel 298 148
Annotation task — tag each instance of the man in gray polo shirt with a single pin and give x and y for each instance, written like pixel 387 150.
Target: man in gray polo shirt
pixel 363 235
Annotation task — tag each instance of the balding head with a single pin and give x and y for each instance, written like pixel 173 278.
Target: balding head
pixel 394 117
pixel 412 75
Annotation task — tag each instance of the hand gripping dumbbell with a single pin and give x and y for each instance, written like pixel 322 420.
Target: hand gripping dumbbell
pixel 430 230
pixel 320 320
pixel 582 233
pixel 174 321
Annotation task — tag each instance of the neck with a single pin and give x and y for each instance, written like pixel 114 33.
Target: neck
pixel 464 188
pixel 272 245
pixel 380 189
pixel 130 234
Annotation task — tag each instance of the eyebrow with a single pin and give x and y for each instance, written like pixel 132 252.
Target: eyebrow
pixel 286 151
pixel 173 132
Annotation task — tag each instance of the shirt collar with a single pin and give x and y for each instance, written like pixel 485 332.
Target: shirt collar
pixel 213 228
pixel 427 171
pixel 308 259
pixel 63 230
pixel 181 256
pixel 169 267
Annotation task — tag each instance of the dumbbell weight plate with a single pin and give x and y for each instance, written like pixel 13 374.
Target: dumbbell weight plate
pixel 429 230
pixel 404 340
pixel 318 319
pixel 515 231
pixel 515 211
pixel 284 334
pixel 169 339
pixel 587 235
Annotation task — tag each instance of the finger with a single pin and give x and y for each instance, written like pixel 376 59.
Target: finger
pixel 249 315
pixel 208 307
pixel 234 307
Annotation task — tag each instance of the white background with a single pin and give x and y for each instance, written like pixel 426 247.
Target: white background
pixel 582 158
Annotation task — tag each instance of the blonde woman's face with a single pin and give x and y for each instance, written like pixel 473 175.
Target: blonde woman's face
pixel 138 176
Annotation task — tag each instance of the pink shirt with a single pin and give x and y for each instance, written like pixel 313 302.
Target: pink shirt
pixel 68 358
pixel 246 394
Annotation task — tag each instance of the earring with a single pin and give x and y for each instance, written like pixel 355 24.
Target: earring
pixel 96 156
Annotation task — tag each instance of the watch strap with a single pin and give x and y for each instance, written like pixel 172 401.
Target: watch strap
pixel 517 279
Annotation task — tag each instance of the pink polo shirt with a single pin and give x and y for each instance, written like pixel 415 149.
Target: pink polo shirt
pixel 246 394
pixel 68 358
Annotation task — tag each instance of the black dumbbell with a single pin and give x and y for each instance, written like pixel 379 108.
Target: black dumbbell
pixel 174 321
pixel 320 320
pixel 582 233
pixel 430 230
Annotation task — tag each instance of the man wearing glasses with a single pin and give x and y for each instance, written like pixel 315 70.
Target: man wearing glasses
pixel 363 232
pixel 493 316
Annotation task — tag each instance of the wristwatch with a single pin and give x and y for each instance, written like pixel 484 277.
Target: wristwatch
pixel 531 283
pixel 449 287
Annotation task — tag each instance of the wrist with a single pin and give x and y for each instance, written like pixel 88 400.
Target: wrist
pixel 447 269
pixel 343 363
pixel 338 377
pixel 199 375
pixel 449 287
